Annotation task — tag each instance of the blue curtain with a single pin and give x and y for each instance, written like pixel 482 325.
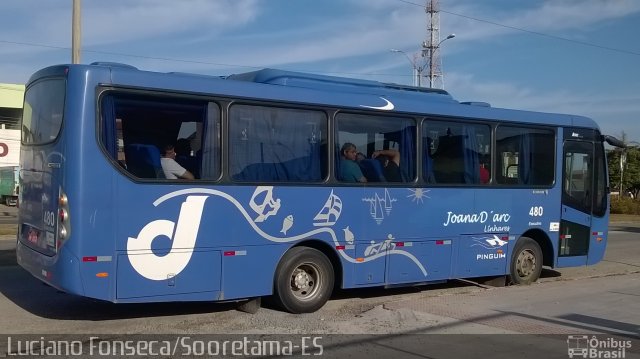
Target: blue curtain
pixel 427 161
pixel 408 150
pixel 338 161
pixel 270 144
pixel 471 157
pixel 209 154
pixel 109 126
pixel 525 175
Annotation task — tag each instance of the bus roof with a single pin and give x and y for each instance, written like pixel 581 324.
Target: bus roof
pixel 304 88
pixel 331 83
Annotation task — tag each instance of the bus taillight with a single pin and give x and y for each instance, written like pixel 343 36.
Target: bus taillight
pixel 63 215
pixel 62 200
pixel 62 233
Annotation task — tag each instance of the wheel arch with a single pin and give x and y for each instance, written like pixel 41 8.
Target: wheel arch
pixel 543 240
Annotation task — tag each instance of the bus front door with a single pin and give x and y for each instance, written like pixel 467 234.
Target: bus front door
pixel 577 191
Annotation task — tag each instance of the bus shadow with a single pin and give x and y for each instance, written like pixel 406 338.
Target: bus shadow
pixel 42 300
pixel 386 292
pixel 629 229
pixel 550 273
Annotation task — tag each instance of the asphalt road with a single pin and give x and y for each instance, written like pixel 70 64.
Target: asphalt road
pixel 8 214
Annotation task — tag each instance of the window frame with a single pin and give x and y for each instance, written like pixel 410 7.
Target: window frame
pixel 157 96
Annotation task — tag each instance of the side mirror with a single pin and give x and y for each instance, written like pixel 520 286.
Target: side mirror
pixel 613 141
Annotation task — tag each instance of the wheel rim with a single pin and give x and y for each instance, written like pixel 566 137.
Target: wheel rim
pixel 526 264
pixel 306 281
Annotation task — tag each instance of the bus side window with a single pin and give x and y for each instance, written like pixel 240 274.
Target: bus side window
pixel 456 153
pixel 382 134
pixel 525 156
pixel 271 144
pixel 136 127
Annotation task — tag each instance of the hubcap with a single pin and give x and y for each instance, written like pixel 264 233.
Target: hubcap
pixel 305 281
pixel 526 263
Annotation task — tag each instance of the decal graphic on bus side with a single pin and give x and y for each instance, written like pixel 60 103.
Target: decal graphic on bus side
pixel 183 233
pixel 184 236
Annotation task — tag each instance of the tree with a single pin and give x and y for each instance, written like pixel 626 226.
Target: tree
pixel 624 166
pixel 632 171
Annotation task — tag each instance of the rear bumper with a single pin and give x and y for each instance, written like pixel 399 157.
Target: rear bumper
pixel 61 271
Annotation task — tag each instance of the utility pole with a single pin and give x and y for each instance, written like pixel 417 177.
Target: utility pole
pixel 76 33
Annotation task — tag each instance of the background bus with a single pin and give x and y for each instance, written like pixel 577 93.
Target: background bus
pixel 9 185
pixel 11 99
pixel 483 191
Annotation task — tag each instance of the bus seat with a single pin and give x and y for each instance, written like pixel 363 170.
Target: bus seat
pixel 143 160
pixel 372 170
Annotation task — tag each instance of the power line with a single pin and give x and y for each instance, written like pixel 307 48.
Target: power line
pixel 555 37
pixel 187 61
pixel 123 54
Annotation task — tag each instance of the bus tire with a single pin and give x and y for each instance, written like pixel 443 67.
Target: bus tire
pixel 304 280
pixel 526 262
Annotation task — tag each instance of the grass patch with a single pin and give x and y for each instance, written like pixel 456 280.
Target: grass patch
pixel 626 218
pixel 625 206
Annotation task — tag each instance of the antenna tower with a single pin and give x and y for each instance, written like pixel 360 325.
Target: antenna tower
pixel 431 46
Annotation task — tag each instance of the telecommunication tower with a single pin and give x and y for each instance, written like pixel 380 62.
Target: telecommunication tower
pixel 431 46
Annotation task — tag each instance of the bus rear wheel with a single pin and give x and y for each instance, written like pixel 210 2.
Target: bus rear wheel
pixel 304 280
pixel 526 262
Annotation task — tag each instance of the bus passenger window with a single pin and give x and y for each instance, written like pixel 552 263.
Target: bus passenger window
pixel 388 146
pixel 456 153
pixel 525 156
pixel 136 129
pixel 272 144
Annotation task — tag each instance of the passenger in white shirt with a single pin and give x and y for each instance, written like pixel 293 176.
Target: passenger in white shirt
pixel 171 168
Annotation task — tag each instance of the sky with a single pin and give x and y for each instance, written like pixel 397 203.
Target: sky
pixel 579 57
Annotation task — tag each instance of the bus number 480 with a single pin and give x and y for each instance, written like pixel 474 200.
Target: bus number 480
pixel 49 218
pixel 536 211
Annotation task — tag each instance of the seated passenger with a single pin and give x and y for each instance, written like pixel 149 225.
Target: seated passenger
pixel 171 168
pixel 184 156
pixel 349 169
pixel 390 160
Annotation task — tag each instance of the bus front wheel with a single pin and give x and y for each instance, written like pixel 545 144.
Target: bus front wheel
pixel 526 262
pixel 304 280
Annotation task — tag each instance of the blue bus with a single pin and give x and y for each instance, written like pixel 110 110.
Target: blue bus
pixel 479 191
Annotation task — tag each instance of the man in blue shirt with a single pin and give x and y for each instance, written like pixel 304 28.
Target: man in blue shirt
pixel 349 169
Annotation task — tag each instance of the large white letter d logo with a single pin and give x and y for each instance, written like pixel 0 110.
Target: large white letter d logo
pixel 184 239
